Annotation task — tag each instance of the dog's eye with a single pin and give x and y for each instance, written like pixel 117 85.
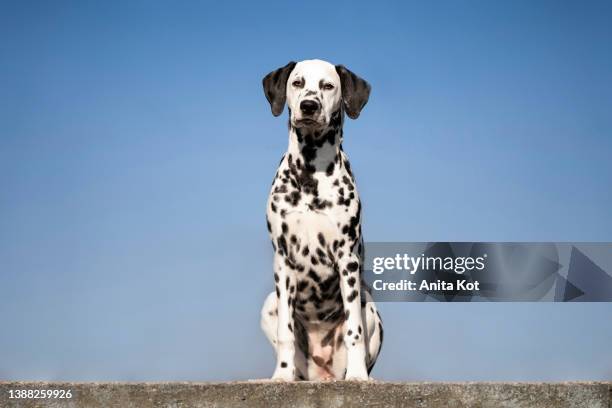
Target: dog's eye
pixel 328 87
pixel 297 83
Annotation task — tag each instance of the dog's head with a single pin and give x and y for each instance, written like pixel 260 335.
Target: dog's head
pixel 314 90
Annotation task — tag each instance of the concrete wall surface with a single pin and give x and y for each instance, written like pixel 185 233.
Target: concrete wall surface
pixel 266 394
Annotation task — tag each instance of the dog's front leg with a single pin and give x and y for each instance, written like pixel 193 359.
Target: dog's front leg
pixel 349 266
pixel 285 351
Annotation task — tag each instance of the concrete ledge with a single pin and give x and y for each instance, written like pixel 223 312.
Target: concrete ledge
pixel 266 394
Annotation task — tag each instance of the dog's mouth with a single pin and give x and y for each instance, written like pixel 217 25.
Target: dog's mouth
pixel 307 122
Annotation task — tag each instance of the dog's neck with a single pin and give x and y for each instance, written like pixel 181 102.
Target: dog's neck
pixel 317 148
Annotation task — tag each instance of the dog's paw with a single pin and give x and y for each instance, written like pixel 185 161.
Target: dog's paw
pixel 358 378
pixel 357 375
pixel 283 374
pixel 282 378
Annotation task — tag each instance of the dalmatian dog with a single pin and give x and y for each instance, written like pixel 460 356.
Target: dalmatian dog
pixel 321 319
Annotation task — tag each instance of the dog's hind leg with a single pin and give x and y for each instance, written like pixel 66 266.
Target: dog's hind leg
pixel 373 330
pixel 269 319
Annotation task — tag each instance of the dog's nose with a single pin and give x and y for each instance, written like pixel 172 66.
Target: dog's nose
pixel 309 107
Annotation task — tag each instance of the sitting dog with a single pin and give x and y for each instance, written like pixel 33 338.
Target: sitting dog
pixel 321 320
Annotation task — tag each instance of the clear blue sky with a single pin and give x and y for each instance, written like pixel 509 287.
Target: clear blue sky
pixel 137 149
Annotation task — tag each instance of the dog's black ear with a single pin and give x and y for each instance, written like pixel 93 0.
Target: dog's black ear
pixel 355 91
pixel 275 87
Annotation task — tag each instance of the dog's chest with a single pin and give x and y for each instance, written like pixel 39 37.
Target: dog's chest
pixel 312 202
pixel 308 218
